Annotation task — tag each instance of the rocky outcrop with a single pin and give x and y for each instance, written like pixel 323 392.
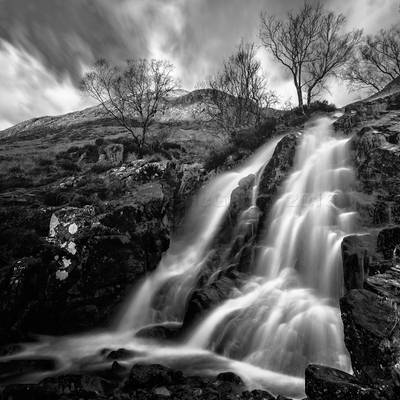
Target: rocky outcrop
pixel 372 335
pixel 276 171
pixel 81 272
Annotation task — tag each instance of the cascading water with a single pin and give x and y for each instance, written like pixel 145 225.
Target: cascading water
pixel 284 317
pixel 176 275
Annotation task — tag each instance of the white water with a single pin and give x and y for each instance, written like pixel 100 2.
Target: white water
pixel 283 318
pixel 286 315
pixel 176 274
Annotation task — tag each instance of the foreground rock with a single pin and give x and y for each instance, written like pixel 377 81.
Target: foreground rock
pixel 324 383
pixel 77 276
pixel 372 335
pixel 147 382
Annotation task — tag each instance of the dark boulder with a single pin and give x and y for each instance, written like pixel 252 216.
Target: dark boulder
pixel 150 376
pixel 86 386
pixel 166 331
pixel 210 295
pixel 240 198
pixel 372 335
pixel 85 267
pixel 257 395
pixel 276 171
pixel 325 383
pixel 355 260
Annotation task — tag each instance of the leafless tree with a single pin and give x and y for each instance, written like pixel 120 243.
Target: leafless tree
pixel 331 52
pixel 291 41
pixel 239 90
pixel 310 45
pixel 131 94
pixel 377 61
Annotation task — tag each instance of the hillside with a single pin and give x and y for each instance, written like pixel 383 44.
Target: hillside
pixel 181 122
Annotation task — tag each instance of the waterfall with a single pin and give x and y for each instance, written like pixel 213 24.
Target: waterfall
pixel 286 315
pixel 175 277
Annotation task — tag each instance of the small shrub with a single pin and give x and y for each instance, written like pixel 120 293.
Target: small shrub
pixel 217 157
pixel 68 165
pixel 322 106
pixel 72 149
pixel 45 162
pixel 99 142
pixel 92 152
pixel 15 170
pixel 56 198
pixel 173 146
pixel 15 181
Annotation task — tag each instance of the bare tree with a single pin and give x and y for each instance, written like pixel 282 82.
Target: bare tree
pixel 238 91
pixel 377 61
pixel 310 45
pixel 291 41
pixel 331 52
pixel 132 94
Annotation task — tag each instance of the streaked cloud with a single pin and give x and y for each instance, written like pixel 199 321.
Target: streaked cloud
pixel 47 43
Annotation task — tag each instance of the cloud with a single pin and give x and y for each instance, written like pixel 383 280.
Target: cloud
pixel 57 38
pixel 29 89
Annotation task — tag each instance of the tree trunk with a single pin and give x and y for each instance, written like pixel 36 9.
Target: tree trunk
pixel 300 97
pixel 309 96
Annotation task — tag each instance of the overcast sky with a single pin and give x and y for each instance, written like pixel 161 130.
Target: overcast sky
pixel 45 45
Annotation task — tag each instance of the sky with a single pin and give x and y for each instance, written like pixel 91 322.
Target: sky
pixel 46 45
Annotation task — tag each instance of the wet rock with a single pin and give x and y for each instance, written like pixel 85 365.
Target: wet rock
pixel 355 260
pixel 257 395
pixel 162 331
pixel 231 378
pixel 372 335
pixel 150 376
pixel 162 391
pixel 241 198
pixel 81 385
pixel 207 296
pixel 324 383
pixel 276 171
pixel 121 354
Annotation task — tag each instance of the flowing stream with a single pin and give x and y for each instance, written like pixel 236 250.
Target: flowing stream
pixel 283 317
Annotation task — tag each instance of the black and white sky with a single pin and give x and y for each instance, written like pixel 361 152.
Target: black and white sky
pixel 46 45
